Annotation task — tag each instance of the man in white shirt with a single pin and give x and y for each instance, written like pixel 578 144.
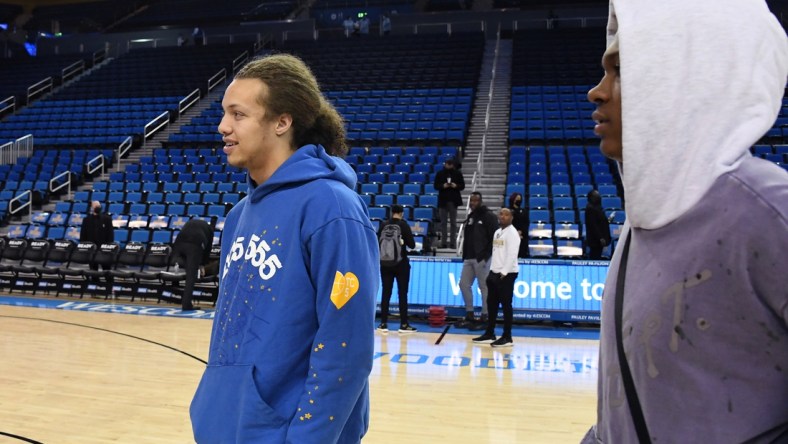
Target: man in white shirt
pixel 500 281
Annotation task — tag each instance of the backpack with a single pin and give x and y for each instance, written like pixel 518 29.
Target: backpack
pixel 390 245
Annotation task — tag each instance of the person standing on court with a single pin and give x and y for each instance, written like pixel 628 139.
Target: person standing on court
pixel 597 226
pixel 192 249
pixel 449 182
pixel 292 342
pixel 477 248
pixel 97 228
pixel 395 237
pixel 694 331
pixel 519 221
pixel 500 281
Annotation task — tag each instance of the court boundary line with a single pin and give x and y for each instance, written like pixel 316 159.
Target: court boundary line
pixel 109 331
pixel 21 438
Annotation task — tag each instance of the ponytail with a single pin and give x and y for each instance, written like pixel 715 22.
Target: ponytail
pixel 327 130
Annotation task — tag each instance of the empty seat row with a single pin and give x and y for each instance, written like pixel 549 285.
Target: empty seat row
pixel 123 183
pixel 238 179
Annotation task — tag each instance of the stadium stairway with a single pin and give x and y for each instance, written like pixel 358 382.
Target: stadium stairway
pixel 491 174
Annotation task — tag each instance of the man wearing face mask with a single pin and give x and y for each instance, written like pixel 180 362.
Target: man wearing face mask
pixel 519 221
pixel 97 228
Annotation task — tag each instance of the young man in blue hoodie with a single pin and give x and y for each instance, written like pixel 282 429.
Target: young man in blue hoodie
pixel 292 341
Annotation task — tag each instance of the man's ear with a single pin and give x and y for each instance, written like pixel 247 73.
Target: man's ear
pixel 283 124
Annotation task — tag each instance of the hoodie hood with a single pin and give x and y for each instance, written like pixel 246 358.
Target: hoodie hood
pixel 307 163
pixel 701 82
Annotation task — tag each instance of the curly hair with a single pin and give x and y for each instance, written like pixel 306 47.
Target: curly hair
pixel 293 89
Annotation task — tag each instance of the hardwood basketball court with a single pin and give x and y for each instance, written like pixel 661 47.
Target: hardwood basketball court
pixel 86 377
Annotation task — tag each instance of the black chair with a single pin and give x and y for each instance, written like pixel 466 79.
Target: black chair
pixel 104 258
pixel 26 276
pixel 157 260
pixel 130 260
pixel 209 285
pixel 73 276
pixel 13 251
pixel 59 255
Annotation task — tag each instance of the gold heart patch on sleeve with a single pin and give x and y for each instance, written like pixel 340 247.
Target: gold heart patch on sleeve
pixel 344 288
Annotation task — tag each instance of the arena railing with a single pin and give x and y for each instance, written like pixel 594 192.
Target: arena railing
pixel 39 88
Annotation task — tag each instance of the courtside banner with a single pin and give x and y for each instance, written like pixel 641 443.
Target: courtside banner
pixel 559 290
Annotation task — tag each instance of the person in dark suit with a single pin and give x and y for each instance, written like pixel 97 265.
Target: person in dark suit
pixel 97 228
pixel 191 250
pixel 520 221
pixel 449 182
pixel 597 226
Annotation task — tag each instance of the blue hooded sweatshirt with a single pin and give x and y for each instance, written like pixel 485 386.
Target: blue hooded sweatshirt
pixel 292 341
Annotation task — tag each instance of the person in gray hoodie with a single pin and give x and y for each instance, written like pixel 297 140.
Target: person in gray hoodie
pixel 694 343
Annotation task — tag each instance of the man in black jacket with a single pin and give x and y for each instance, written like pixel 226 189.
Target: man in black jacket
pixel 449 182
pixel 399 271
pixel 97 228
pixel 479 229
pixel 192 248
pixel 597 226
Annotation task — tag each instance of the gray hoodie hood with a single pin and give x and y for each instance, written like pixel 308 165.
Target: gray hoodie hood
pixel 694 98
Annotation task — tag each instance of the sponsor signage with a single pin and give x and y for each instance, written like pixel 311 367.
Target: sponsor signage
pixel 557 290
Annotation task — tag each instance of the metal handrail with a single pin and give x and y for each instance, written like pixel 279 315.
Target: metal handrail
pixel 29 204
pixel 24 143
pixel 217 79
pixel 156 124
pixel 480 167
pixel 188 101
pixel 9 152
pixel 9 102
pixel 72 70
pixel 474 182
pixel 100 165
pixel 240 61
pixel 461 230
pixel 6 153
pixel 54 188
pixel 123 148
pixel 38 88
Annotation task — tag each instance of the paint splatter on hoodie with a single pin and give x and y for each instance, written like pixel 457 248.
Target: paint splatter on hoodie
pixel 705 305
